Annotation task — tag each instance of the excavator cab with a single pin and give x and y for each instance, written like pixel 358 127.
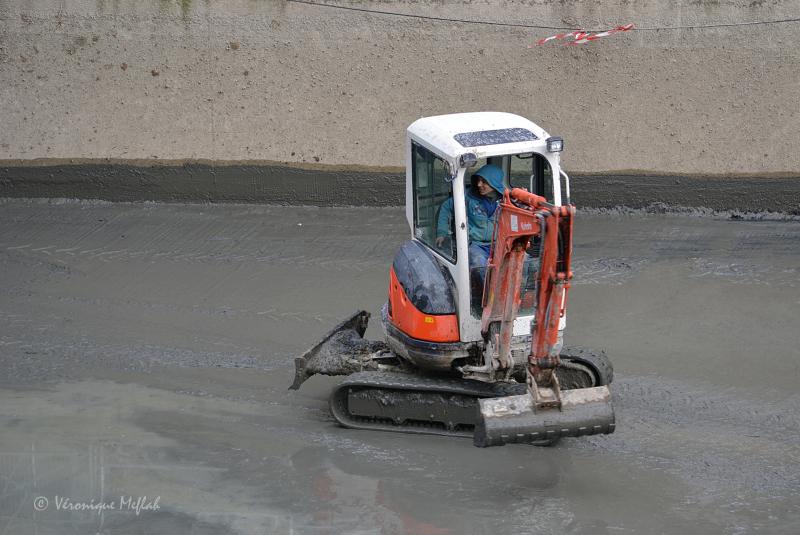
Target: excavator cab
pixel 530 171
pixel 471 348
pixel 434 202
pixel 443 153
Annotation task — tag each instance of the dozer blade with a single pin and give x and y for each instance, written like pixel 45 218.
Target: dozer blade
pixel 515 419
pixel 340 352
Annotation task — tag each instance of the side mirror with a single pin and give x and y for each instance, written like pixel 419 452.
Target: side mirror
pixel 452 172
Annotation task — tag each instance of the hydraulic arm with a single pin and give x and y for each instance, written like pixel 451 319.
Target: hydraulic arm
pixel 545 412
pixel 516 224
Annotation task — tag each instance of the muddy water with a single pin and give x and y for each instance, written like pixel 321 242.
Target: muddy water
pixel 146 349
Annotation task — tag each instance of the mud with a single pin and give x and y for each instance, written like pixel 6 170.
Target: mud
pixel 146 350
pixel 326 185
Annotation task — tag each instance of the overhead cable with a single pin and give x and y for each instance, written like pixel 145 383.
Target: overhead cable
pixel 536 26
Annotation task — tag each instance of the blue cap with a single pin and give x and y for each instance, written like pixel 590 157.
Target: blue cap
pixel 493 176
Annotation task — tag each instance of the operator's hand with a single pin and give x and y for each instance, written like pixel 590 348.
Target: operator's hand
pixel 440 241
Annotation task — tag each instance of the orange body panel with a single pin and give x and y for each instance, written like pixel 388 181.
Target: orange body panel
pixel 417 324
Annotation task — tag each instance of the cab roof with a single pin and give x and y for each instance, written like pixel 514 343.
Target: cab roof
pixel 483 133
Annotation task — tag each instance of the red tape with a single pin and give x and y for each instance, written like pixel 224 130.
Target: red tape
pixel 580 37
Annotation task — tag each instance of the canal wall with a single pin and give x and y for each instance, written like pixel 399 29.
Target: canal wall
pixel 276 101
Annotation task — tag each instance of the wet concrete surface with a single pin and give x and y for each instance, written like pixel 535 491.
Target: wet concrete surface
pixel 146 351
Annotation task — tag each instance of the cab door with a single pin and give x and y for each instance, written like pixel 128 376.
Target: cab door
pixel 433 207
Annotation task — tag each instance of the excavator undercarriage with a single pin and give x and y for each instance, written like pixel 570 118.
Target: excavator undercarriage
pixel 385 393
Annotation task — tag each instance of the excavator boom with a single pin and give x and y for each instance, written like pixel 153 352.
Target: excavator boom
pixel 545 412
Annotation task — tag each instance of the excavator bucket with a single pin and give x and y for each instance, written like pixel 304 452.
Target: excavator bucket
pixel 517 420
pixel 342 351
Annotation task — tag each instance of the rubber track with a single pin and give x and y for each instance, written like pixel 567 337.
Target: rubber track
pixel 598 362
pixel 400 382
pixel 412 383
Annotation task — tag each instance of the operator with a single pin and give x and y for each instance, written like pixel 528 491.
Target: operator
pixel 482 198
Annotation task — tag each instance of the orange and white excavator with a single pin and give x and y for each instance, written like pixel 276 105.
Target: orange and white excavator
pixel 473 350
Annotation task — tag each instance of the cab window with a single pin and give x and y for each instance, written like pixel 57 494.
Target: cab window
pixel 531 171
pixel 432 188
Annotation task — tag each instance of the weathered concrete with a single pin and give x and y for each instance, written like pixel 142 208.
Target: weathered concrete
pixel 274 81
pixel 146 350
pixel 191 182
pixel 346 186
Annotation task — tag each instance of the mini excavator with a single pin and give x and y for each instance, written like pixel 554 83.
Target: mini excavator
pixel 470 350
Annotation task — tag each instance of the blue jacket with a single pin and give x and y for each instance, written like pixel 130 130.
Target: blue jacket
pixel 480 217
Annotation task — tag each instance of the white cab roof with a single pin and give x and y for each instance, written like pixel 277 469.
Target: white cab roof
pixel 504 133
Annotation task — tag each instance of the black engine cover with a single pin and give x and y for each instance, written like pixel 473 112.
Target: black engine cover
pixel 427 284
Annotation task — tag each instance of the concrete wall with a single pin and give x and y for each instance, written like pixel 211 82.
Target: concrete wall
pixel 258 82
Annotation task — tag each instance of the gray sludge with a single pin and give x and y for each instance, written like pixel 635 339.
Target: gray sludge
pixel 342 351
